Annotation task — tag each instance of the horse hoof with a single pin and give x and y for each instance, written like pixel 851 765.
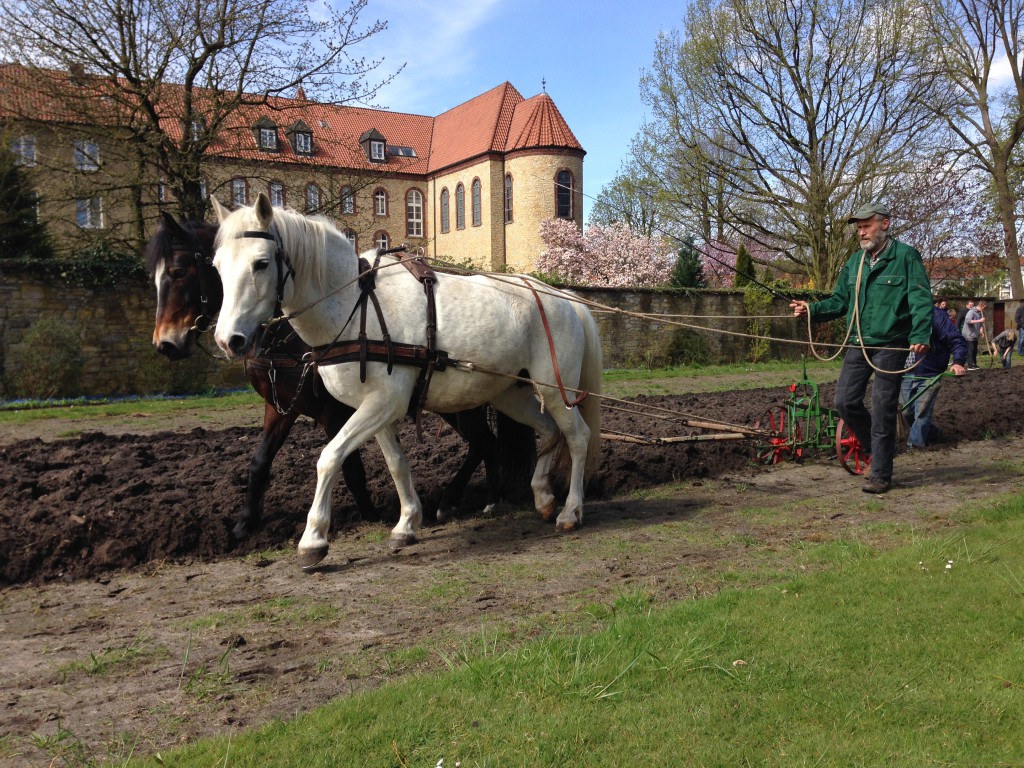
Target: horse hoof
pixel 241 531
pixel 398 540
pixel 547 513
pixel 443 515
pixel 310 557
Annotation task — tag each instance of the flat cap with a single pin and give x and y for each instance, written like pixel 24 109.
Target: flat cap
pixel 868 210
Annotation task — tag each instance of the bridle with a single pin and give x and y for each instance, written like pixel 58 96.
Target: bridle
pixel 204 269
pixel 284 264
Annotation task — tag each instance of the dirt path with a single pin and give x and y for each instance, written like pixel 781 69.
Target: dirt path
pixel 207 639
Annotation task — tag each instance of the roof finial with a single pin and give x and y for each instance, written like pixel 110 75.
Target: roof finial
pixel 544 84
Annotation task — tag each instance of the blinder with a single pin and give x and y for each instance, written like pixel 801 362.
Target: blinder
pixel 204 267
pixel 284 264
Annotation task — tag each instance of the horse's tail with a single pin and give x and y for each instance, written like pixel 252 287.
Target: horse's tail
pixel 517 456
pixel 590 382
pixel 590 409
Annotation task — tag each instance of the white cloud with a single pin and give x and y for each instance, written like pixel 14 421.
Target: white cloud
pixel 1000 74
pixel 439 42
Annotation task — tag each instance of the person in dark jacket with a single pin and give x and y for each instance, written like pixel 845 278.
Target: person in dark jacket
pixel 885 294
pixel 946 341
pixel 962 314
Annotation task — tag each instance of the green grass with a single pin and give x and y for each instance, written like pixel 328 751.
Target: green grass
pixel 912 656
pixel 23 412
pixel 617 383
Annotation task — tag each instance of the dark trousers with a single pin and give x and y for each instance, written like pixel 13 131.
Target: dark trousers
pixel 875 429
pixel 972 353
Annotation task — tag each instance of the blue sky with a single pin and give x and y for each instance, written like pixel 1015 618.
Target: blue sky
pixel 460 48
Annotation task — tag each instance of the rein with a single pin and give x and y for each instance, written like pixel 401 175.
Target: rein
pixel 551 347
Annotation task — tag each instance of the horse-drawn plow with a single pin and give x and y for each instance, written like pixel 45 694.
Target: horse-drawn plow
pixel 788 431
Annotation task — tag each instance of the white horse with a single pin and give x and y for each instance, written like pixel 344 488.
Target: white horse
pixel 268 256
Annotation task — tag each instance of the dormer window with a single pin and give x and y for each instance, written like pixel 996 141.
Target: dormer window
pixel 374 144
pixel 265 133
pixel 300 136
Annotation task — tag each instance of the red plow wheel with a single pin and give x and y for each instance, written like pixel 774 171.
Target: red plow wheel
pixel 781 445
pixel 849 450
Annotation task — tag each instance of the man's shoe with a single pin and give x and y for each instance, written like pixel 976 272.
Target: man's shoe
pixel 973 368
pixel 876 485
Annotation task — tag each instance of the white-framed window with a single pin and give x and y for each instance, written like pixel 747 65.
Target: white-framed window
pixel 353 238
pixel 508 198
pixel 87 155
pixel 161 192
pixel 414 213
pixel 202 190
pixel 268 139
pixel 89 212
pixel 476 202
pixel 239 192
pixel 348 200
pixel 304 143
pixel 24 150
pixel 377 151
pixel 383 241
pixel 277 194
pixel 196 129
pixel 380 202
pixel 312 198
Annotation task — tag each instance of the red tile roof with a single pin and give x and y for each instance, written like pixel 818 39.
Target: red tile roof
pixel 496 121
pixel 538 123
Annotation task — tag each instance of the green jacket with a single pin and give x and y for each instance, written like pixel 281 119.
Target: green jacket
pixel 895 298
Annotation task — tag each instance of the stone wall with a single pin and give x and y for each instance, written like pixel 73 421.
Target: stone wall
pixel 114 328
pixel 716 316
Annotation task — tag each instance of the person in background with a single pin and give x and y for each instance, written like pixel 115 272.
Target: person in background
pixel 1005 342
pixel 946 341
pixel 884 292
pixel 973 329
pixel 1018 319
pixel 963 314
pixel 952 316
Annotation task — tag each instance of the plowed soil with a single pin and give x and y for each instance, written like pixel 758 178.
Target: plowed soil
pixel 131 621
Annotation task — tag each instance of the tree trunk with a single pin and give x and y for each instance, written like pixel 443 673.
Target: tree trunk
pixel 1005 202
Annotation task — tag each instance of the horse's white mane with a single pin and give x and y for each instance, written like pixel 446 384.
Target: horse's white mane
pixel 305 239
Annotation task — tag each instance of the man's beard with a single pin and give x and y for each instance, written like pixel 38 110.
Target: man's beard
pixel 871 244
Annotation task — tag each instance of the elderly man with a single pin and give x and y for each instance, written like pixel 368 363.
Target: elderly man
pixel 885 294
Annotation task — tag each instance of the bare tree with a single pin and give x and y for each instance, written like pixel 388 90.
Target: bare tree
pixel 796 110
pixel 631 199
pixel 168 77
pixel 986 113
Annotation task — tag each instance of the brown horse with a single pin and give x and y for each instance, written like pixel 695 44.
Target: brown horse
pixel 189 294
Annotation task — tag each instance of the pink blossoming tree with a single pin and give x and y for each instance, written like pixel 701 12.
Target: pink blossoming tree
pixel 609 256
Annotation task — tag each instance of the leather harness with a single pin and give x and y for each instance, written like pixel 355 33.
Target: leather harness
pixel 363 350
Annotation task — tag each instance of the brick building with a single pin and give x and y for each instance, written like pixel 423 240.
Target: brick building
pixel 471 184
